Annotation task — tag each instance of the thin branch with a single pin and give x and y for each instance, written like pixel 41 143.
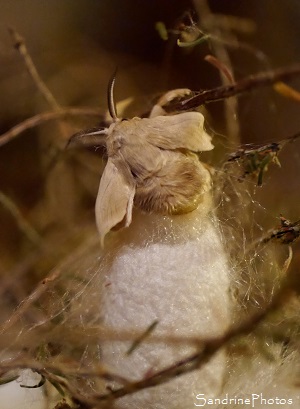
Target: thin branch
pixel 223 69
pixel 41 288
pixel 40 119
pixel 231 105
pixel 58 375
pixel 34 296
pixel 22 223
pixel 19 44
pixel 61 369
pixel 14 276
pixel 96 334
pixel 137 342
pixel 247 84
pixel 232 23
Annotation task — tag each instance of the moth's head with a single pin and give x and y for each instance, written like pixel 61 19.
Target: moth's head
pixel 96 136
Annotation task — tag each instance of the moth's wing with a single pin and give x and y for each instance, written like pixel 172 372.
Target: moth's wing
pixel 115 197
pixel 181 131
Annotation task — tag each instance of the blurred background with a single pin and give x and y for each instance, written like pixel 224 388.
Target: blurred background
pixel 48 192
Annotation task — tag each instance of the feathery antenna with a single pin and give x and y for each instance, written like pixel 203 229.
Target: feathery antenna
pixel 110 97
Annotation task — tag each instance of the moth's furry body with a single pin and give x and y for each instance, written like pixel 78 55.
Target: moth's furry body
pixel 168 179
pixel 151 164
pixel 176 188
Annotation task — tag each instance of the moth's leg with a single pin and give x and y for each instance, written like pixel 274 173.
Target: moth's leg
pixel 169 96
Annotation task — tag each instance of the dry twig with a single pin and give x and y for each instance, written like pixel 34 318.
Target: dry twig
pixel 20 45
pixel 22 223
pixel 221 53
pixel 34 296
pixel 42 287
pixel 203 97
pixel 247 84
pixel 40 119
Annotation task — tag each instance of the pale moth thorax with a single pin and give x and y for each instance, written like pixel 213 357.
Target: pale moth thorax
pixel 152 164
pixel 166 262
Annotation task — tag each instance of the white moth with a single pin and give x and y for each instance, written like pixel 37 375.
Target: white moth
pixel 151 164
pixel 168 266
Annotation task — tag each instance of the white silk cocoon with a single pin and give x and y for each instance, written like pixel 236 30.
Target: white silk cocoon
pixel 170 269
